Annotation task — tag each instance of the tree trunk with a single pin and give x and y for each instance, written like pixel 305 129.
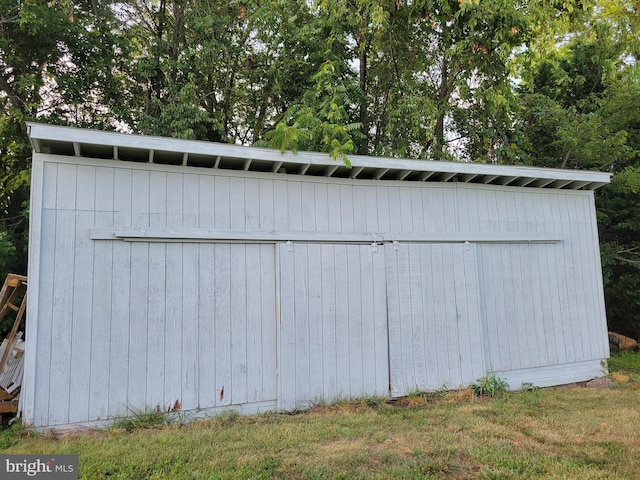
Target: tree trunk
pixel 364 105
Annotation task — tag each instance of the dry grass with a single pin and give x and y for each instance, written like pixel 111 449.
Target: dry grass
pixel 549 433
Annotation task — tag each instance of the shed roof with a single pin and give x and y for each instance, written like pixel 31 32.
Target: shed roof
pixel 71 141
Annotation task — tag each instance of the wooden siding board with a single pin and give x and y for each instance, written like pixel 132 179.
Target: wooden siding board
pixel 46 274
pixel 138 328
pixel 222 207
pixel 268 318
pixel 280 206
pixel 354 321
pixel 330 364
pixel 253 324
pixel 414 335
pixel 85 197
pixel 308 206
pixel 173 327
pixel 156 318
pixel 190 296
pixel 383 209
pixel 335 208
pixel 121 287
pixel 597 281
pixel 451 327
pixel 252 204
pixel 394 287
pixel 102 297
pixel 191 317
pixel 120 317
pixel 49 185
pixel 267 214
pixel 60 374
pixel 395 209
pixel 539 301
pixel 208 386
pixel 28 400
pixel 140 199
pixel 301 323
pixel 346 208
pixel 206 208
pixel 237 203
pixel 314 323
pixel 222 326
pixel 287 330
pixel 417 209
pixel 81 321
pixel 191 201
pixel 359 209
pixel 237 320
pixel 80 333
pixel 294 204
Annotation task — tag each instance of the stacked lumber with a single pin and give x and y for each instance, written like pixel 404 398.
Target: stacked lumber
pixel 12 348
pixel 11 374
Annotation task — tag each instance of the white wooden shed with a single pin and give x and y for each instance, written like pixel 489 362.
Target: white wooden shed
pixel 166 272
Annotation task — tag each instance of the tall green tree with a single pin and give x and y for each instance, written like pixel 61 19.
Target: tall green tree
pixel 580 108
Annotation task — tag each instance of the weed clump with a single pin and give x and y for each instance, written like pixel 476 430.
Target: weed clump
pixel 489 385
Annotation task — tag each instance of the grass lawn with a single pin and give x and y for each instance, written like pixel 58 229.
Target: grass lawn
pixel 545 433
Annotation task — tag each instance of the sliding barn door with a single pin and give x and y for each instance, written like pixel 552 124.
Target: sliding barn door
pixel 333 323
pixel 435 333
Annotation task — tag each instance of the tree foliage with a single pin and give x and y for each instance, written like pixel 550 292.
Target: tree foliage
pixel 547 83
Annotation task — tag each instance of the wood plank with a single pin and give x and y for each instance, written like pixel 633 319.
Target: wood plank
pixel 269 322
pixel 156 320
pixel 62 315
pixel 173 327
pixel 266 201
pixel 354 323
pixel 330 362
pixel 287 335
pixel 301 323
pixel 206 209
pixel 222 206
pixel 238 320
pixel 121 297
pixel 343 378
pixel 254 343
pixel 102 297
pixel 208 388
pixel 190 327
pixel 346 208
pixel 315 326
pixel 138 329
pixel 237 199
pixel 252 204
pixel 81 323
pixel 222 326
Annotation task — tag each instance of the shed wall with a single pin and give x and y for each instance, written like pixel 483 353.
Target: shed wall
pixel 130 325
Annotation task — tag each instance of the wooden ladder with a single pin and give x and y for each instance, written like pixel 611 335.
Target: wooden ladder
pixel 14 286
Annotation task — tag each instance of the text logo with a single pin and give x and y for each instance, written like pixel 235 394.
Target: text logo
pixel 52 467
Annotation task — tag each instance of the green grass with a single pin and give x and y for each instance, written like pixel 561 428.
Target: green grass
pixel 542 433
pixel 625 362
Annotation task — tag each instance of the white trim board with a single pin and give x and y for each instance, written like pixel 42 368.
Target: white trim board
pixel 200 235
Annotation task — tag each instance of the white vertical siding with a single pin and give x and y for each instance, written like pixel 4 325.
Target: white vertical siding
pixel 435 334
pixel 145 324
pixel 333 338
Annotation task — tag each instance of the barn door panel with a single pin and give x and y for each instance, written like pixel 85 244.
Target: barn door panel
pixel 435 334
pixel 333 331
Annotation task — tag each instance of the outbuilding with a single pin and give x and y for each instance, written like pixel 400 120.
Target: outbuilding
pixel 183 275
